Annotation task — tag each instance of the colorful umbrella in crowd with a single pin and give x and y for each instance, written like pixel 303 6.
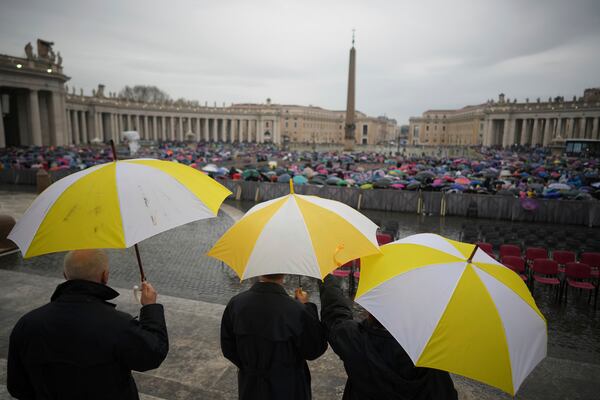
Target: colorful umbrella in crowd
pixel 295 234
pixel 453 307
pixel 116 205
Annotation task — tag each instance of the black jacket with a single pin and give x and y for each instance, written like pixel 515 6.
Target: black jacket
pixel 79 346
pixel 377 366
pixel 268 336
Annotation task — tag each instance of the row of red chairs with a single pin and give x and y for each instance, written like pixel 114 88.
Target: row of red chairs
pixel 562 257
pixel 577 275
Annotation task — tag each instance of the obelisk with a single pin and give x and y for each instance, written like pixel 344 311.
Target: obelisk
pixel 350 125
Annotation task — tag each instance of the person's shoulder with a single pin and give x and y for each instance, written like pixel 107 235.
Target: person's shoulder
pixel 32 317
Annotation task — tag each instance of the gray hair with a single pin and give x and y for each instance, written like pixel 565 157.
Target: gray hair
pixel 88 265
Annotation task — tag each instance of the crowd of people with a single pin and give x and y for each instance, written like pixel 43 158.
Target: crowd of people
pixel 537 173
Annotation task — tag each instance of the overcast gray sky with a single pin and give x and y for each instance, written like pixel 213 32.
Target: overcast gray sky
pixel 412 55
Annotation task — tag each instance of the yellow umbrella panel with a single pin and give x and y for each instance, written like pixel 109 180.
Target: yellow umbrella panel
pixel 453 307
pixel 295 234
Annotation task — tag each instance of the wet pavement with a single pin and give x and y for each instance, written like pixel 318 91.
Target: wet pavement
pixel 175 262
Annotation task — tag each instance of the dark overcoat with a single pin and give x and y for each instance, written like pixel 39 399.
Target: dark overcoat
pixel 269 336
pixel 376 365
pixel 79 346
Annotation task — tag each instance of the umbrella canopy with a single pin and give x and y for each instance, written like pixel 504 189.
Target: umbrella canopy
pixel 116 205
pixel 453 307
pixel 295 234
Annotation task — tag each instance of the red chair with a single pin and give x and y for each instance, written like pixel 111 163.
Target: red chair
pixel 593 260
pixel 384 238
pixel 578 276
pixel 562 257
pixel 487 247
pixel 545 272
pixel 517 264
pixel 510 250
pixel 345 270
pixel 533 253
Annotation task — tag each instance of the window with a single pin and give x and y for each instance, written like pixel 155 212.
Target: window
pixel 427 128
pixel 365 130
pixel 286 124
pixel 295 125
pixel 444 128
pixel 416 131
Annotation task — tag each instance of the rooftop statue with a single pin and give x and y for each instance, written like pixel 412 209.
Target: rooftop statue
pixel 29 51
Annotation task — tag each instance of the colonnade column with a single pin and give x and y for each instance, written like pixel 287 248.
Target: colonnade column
pixel 233 130
pixel 34 118
pixel 524 129
pixel 154 128
pixel 98 126
pixel 205 133
pixel 75 119
pixel 547 133
pixel 594 128
pixel 505 132
pixel 69 128
pixel 570 128
pixel 224 124
pixel 214 130
pixel 487 132
pixel 84 131
pixel 582 122
pixel 535 134
pixel 146 135
pixel 259 132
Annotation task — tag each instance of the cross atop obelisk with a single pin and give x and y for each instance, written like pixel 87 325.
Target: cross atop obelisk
pixel 350 125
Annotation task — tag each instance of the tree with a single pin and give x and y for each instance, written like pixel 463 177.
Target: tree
pixel 143 93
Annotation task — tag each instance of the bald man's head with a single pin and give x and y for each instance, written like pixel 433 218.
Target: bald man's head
pixel 89 265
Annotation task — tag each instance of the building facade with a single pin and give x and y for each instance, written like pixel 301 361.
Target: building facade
pixel 504 123
pixel 39 109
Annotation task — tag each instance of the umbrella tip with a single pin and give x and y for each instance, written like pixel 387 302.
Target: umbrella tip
pixel 291 186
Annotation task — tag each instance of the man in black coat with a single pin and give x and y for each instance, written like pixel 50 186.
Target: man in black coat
pixel 269 336
pixel 78 346
pixel 376 364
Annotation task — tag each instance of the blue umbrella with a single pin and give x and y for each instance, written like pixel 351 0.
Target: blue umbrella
pixel 300 180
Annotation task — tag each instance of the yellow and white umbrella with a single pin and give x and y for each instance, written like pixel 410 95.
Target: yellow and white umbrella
pixel 453 307
pixel 116 205
pixel 295 234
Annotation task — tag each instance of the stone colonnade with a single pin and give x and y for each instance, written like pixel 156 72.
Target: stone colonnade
pixel 40 118
pixel 538 131
pixel 85 126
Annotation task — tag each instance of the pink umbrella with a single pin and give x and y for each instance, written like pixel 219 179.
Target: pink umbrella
pixel 462 181
pixel 437 182
pixel 397 186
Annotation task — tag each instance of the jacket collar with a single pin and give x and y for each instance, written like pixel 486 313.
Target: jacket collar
pixel 268 287
pixel 81 288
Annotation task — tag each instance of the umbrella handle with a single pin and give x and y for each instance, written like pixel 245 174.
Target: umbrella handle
pixel 470 260
pixel 139 260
